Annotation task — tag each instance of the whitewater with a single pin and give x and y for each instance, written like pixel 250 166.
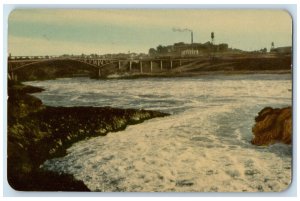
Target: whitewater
pixel 203 146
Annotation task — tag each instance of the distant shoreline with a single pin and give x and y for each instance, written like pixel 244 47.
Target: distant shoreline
pixel 196 74
pixel 175 75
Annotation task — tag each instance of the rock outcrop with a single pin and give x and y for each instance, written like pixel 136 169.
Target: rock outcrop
pixel 273 125
pixel 37 132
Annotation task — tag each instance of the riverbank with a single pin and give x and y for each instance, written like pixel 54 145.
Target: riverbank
pixel 193 74
pixel 37 132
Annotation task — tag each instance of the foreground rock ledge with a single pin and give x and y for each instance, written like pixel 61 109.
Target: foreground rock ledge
pixel 37 132
pixel 272 126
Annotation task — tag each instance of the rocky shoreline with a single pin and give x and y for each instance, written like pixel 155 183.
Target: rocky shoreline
pixel 37 132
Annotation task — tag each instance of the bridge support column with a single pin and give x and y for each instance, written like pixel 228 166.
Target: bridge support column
pixel 151 68
pixel 161 67
pixel 10 72
pixel 119 65
pixel 141 66
pixel 179 62
pixel 12 75
pixel 171 64
pixel 99 72
pixel 130 65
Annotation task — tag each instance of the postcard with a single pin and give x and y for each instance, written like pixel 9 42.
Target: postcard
pixel 149 100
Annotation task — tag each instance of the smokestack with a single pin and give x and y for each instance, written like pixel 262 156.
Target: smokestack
pixel 191 37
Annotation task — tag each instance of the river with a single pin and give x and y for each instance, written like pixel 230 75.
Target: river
pixel 204 146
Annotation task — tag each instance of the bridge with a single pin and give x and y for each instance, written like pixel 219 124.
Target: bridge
pixel 15 64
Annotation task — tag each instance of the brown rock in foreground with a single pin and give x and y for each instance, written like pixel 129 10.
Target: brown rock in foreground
pixel 273 125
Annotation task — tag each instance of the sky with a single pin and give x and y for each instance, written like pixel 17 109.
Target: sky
pixel 101 31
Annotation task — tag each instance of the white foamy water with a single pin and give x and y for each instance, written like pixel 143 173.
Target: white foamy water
pixel 203 146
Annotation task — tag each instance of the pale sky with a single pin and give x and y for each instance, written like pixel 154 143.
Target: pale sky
pixel 101 31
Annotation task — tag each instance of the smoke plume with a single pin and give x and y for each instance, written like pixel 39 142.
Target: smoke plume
pixel 181 30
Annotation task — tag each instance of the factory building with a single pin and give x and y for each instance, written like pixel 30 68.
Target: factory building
pixel 182 49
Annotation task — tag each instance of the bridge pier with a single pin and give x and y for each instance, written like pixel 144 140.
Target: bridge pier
pixel 12 75
pixel 130 65
pixel 10 72
pixel 179 62
pixel 141 66
pixel 171 64
pixel 99 72
pixel 161 66
pixel 119 65
pixel 151 68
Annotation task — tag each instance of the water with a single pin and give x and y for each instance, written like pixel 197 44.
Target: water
pixel 203 146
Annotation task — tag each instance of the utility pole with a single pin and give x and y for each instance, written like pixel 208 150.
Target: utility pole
pixel 212 36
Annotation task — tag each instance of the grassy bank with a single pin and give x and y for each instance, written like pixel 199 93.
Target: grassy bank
pixel 37 132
